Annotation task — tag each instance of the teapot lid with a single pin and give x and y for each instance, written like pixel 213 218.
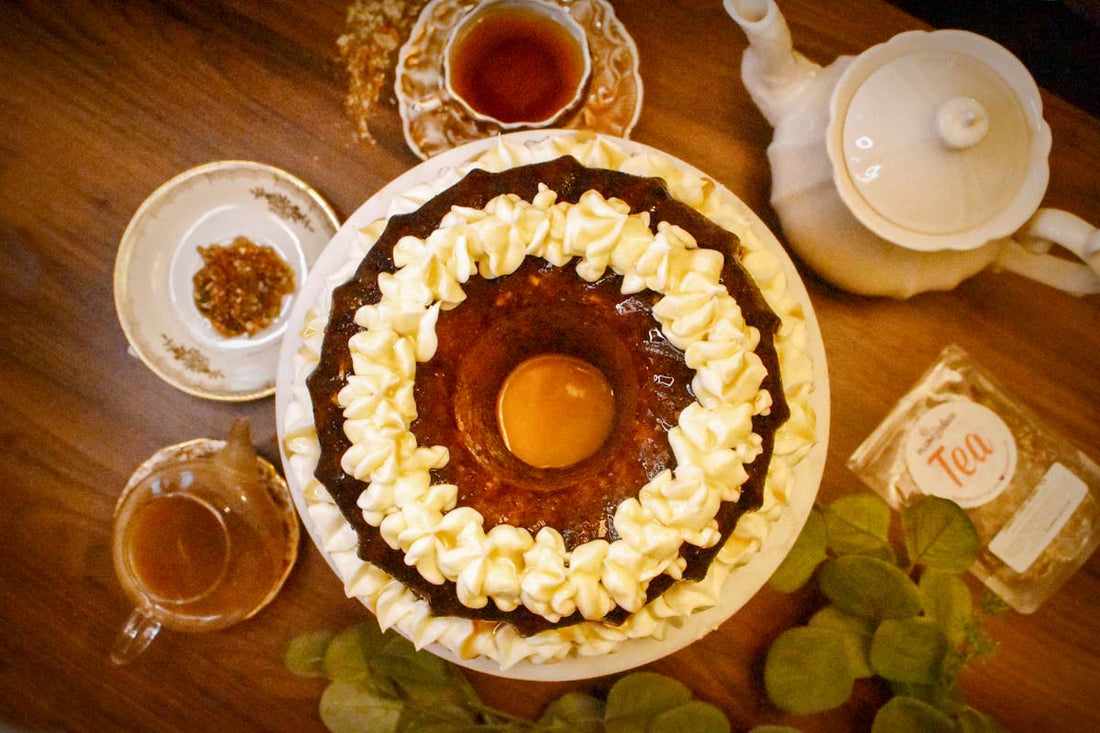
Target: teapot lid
pixel 937 140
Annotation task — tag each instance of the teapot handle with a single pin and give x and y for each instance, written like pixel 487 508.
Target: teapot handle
pixel 1026 253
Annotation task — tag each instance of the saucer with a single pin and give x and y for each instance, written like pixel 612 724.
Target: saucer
pixel 158 257
pixel 434 121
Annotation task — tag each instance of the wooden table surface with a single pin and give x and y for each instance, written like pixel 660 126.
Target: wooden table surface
pixel 103 102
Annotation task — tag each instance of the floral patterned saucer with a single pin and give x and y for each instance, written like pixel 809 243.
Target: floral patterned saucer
pixel 435 121
pixel 158 258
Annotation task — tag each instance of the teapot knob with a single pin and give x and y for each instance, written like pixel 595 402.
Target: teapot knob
pixel 961 123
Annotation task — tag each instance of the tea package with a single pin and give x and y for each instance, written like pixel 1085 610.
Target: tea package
pixel 1034 498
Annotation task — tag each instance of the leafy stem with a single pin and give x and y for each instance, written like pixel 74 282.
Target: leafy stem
pixel 379 682
pixel 500 720
pixel 912 624
pixel 909 623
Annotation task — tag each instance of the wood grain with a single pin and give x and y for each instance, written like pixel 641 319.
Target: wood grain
pixel 101 103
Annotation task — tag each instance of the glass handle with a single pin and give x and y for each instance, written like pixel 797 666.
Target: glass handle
pixel 136 634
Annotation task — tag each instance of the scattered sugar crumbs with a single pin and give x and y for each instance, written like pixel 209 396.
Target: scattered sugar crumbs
pixel 373 33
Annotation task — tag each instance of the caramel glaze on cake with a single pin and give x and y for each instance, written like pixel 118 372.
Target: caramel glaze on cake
pixel 538 309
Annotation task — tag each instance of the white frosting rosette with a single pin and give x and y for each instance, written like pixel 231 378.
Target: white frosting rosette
pixel 505 565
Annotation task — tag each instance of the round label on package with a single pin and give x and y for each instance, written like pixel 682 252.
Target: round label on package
pixel 961 451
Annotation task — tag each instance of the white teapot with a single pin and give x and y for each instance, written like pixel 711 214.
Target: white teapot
pixel 912 166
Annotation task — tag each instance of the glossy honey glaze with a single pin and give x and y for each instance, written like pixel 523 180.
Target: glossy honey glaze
pixel 456 391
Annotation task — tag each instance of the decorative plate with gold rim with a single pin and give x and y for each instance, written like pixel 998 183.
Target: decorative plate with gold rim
pixel 158 258
pixel 751 560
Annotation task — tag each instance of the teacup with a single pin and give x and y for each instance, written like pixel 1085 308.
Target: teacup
pixel 517 63
pixel 195 549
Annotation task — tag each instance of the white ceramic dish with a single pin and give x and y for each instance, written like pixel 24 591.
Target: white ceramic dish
pixel 434 120
pixel 158 257
pixel 484 13
pixel 742 584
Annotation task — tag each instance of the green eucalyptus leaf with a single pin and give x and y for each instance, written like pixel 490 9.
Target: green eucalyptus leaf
pixel 574 711
pixel 869 587
pixel 413 670
pixel 953 663
pixel 807 553
pixel 971 721
pixel 695 716
pixel 884 552
pixel 938 534
pixel 946 697
pixel 831 617
pixel 305 654
pixel 992 603
pixel 420 725
pixel 859 524
pixel 358 705
pixel 626 724
pixel 801 673
pixel 908 650
pixel 856 632
pixel 437 717
pixel 343 658
pixel 979 641
pixel 909 715
pixel 372 638
pixel 947 602
pixel 639 697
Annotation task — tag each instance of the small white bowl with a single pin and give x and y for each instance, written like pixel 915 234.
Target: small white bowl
pixel 483 12
pixel 158 257
pixel 433 121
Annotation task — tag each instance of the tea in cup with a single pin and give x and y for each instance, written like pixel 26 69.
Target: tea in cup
pixel 517 63
pixel 204 535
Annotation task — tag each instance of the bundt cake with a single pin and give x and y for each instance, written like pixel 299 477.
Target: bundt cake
pixel 572 248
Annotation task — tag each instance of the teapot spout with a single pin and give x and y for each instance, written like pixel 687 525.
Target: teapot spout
pixel 775 75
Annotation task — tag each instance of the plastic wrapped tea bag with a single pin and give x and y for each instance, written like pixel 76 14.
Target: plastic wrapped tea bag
pixel 1034 498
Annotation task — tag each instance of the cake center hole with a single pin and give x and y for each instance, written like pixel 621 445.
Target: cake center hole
pixel 555 410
